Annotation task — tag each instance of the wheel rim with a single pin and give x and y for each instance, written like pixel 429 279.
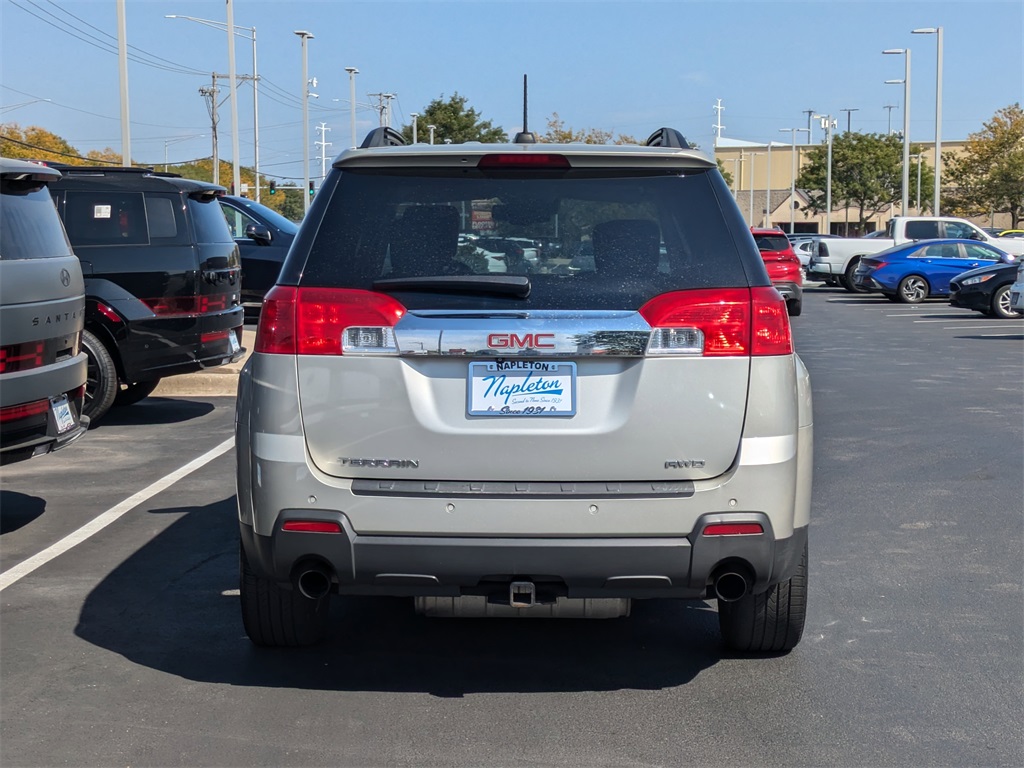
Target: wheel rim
pixel 92 378
pixel 1003 304
pixel 914 289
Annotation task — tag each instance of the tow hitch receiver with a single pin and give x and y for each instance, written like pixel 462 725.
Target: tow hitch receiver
pixel 522 594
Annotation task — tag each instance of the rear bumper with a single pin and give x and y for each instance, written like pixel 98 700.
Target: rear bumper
pixel 37 434
pixel 680 567
pixel 790 291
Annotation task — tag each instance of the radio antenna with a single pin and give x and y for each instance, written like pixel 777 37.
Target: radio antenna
pixel 524 136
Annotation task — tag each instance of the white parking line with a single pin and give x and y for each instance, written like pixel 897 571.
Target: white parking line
pixel 1006 331
pixel 97 524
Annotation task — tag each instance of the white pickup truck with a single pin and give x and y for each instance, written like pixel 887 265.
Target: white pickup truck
pixel 836 259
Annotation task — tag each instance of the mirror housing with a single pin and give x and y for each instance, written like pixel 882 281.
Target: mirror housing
pixel 258 233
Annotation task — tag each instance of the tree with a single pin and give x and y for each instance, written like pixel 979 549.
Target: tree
pixel 989 176
pixel 867 174
pixel 451 120
pixel 558 133
pixel 35 143
pixel 725 174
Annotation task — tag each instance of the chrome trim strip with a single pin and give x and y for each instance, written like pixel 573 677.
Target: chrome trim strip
pixel 509 489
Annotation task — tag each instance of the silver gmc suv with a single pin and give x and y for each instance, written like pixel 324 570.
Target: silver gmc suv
pixel 623 418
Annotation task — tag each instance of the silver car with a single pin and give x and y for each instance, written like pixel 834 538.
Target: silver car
pixel 542 441
pixel 42 311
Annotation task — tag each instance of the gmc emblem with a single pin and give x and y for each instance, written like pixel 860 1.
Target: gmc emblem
pixel 526 341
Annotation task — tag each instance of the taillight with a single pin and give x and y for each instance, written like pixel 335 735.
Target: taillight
pixel 311 526
pixel 327 321
pixel 514 160
pixel 21 357
pixel 15 412
pixel 726 322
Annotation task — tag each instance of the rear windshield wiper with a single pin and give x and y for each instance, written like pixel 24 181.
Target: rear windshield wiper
pixel 517 286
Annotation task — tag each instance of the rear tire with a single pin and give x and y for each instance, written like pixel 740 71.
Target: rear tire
pixel 1001 304
pixel 848 278
pixel 795 307
pixel 278 618
pixel 913 289
pixel 132 393
pixel 771 622
pixel 101 378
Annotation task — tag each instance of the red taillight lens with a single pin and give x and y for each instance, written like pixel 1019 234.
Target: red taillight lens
pixel 15 412
pixel 108 313
pixel 311 526
pixel 733 529
pixel 733 321
pixel 21 357
pixel 312 321
pixel 523 160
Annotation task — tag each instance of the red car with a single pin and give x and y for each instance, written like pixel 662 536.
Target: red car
pixel 783 266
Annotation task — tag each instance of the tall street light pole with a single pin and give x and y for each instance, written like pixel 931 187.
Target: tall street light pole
pixel 304 36
pixel 828 124
pixel 752 155
pixel 122 59
pixel 792 174
pixel 236 178
pixel 431 127
pixel 255 85
pixel 905 197
pixel 937 31
pixel 415 124
pixel 849 115
pixel 352 72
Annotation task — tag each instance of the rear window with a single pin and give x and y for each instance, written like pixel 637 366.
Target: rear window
pixel 586 240
pixel 29 225
pixel 209 222
pixel 101 217
pixel 771 242
pixel 921 230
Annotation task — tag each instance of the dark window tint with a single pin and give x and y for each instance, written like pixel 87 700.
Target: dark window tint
pixel 921 230
pixel 29 225
pixel 268 215
pixel 101 217
pixel 209 222
pixel 587 240
pixel 771 242
pixel 166 219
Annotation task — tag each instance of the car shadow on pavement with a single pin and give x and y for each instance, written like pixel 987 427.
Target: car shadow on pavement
pixel 18 510
pixel 155 410
pixel 173 606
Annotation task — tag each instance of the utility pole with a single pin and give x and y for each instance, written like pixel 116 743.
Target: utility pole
pixel 381 109
pixel 828 124
pixel 849 114
pixel 209 92
pixel 719 109
pixel 323 145
pixel 810 114
pixel 387 108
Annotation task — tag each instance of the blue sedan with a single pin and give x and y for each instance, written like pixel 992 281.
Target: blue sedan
pixel 915 271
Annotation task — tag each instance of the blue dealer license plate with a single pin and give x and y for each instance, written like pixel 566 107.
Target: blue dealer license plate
pixel 521 388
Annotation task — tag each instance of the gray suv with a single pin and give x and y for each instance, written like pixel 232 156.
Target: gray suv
pixel 626 418
pixel 42 311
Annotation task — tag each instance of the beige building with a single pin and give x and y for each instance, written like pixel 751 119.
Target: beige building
pixel 757 167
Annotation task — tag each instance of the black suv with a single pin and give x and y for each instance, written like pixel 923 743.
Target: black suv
pixel 162 278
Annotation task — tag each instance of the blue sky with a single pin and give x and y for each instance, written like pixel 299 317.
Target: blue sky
pixel 626 67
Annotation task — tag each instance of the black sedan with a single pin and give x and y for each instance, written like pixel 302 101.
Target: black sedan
pixel 985 290
pixel 263 237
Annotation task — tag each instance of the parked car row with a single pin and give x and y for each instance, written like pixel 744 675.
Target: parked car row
pixel 973 275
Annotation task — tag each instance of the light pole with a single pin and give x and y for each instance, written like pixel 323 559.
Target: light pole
pixel 431 127
pixel 255 86
pixel 752 155
pixel 937 31
pixel 792 173
pixel 415 122
pixel 849 114
pixel 905 197
pixel 236 178
pixel 169 142
pixel 352 72
pixel 828 124
pixel 304 36
pixel 9 107
pixel 122 59
pixel 917 158
pixel 889 108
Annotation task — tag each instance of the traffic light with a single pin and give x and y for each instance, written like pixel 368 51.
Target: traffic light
pixel 312 191
pixel 273 187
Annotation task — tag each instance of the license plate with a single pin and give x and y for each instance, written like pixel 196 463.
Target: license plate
pixel 233 341
pixel 522 388
pixel 62 414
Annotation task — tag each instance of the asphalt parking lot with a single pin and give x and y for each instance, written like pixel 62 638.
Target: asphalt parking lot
pixel 122 641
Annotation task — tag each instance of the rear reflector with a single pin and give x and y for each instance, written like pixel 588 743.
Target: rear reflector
pixel 311 526
pixel 523 160
pixel 733 529
pixel 326 321
pixel 15 412
pixel 209 338
pixel 723 322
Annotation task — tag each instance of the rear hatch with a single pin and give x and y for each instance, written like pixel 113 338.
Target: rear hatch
pixel 779 257
pixel 415 362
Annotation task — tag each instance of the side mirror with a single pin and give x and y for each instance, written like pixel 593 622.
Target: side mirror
pixel 258 234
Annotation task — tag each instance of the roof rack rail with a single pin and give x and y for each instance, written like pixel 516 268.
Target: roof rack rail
pixel 668 137
pixel 68 167
pixel 385 136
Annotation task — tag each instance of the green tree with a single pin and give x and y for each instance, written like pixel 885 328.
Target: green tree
pixel 988 177
pixel 452 120
pixel 559 133
pixel 725 174
pixel 867 174
pixel 35 143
